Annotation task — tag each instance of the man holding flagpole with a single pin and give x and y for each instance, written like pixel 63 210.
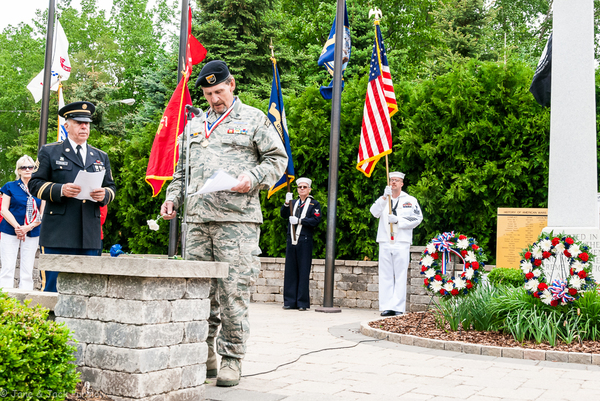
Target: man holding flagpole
pixel 224 226
pixel 394 243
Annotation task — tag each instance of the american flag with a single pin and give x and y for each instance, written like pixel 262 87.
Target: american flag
pixel 380 105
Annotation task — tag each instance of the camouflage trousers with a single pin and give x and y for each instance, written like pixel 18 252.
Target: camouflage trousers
pixel 236 244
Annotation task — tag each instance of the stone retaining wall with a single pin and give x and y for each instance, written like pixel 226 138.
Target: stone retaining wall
pixel 356 283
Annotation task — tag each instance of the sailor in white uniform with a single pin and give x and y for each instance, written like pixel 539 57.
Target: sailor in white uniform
pixel 394 245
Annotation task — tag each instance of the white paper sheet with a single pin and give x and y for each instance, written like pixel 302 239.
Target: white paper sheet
pixel 219 181
pixel 88 181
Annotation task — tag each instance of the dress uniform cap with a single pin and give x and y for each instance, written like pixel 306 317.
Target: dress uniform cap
pixel 78 111
pixel 396 174
pixel 305 180
pixel 213 73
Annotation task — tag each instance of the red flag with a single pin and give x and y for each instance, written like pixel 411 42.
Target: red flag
pixel 165 149
pixel 195 52
pixel 380 105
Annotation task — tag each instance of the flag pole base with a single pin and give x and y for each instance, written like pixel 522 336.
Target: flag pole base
pixel 326 309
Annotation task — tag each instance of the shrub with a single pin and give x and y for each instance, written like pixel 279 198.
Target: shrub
pixel 506 276
pixel 35 357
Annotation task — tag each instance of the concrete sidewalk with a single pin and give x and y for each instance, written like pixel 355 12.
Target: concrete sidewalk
pixel 381 370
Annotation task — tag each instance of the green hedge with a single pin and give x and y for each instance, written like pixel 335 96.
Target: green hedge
pixel 35 357
pixel 506 276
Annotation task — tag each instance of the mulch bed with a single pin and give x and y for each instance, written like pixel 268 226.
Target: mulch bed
pixel 412 324
pixel 87 393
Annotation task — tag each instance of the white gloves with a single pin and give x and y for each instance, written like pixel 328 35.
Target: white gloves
pixel 392 218
pixel 293 220
pixel 288 197
pixel 387 191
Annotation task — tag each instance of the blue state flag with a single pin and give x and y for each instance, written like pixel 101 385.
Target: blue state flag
pixel 327 55
pixel 276 115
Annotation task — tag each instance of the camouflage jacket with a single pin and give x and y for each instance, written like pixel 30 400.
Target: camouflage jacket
pixel 245 142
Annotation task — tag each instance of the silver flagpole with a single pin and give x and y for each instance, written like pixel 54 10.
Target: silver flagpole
pixel 334 153
pixel 173 227
pixel 47 77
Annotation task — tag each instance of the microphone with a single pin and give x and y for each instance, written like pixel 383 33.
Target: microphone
pixel 193 109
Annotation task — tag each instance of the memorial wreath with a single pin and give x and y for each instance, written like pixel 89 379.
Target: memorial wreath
pixel 435 257
pixel 571 260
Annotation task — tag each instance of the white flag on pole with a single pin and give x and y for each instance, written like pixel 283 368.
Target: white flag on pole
pixel 62 131
pixel 61 65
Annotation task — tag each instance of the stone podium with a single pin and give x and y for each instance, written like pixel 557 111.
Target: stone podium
pixel 140 322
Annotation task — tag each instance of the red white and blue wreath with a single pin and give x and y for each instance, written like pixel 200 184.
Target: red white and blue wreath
pixel 434 261
pixel 549 250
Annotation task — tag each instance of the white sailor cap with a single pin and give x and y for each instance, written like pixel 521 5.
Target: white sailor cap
pixel 396 174
pixel 305 180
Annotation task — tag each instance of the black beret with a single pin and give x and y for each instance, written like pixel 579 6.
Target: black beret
pixel 213 73
pixel 78 111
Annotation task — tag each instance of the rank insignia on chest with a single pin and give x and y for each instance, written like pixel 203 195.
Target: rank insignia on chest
pixel 407 205
pixel 230 131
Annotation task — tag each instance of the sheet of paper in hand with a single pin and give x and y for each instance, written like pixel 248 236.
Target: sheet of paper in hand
pixel 219 181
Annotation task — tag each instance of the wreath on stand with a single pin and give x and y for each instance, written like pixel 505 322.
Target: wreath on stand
pixel 435 257
pixel 567 259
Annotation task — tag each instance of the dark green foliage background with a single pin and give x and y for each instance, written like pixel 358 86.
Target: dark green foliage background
pixel 468 134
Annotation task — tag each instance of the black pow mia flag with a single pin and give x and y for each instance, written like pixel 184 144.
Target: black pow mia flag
pixel 540 85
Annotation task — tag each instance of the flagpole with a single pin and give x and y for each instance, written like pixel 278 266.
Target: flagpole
pixel 377 14
pixel 183 32
pixel 47 76
pixel 334 152
pixel 387 173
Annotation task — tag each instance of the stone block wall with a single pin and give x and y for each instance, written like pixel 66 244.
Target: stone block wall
pixel 356 283
pixel 139 338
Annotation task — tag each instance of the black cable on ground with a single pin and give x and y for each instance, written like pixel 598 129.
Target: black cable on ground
pixel 308 353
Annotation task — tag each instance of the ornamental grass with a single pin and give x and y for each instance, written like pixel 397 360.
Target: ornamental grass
pixel 511 310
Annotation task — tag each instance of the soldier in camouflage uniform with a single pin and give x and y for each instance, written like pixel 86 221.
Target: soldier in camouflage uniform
pixel 225 226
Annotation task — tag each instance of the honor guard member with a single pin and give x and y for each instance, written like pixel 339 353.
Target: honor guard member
pixel 224 226
pixel 305 216
pixel 71 226
pixel 394 250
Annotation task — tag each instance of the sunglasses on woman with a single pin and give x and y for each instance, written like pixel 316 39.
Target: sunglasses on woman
pixel 26 167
